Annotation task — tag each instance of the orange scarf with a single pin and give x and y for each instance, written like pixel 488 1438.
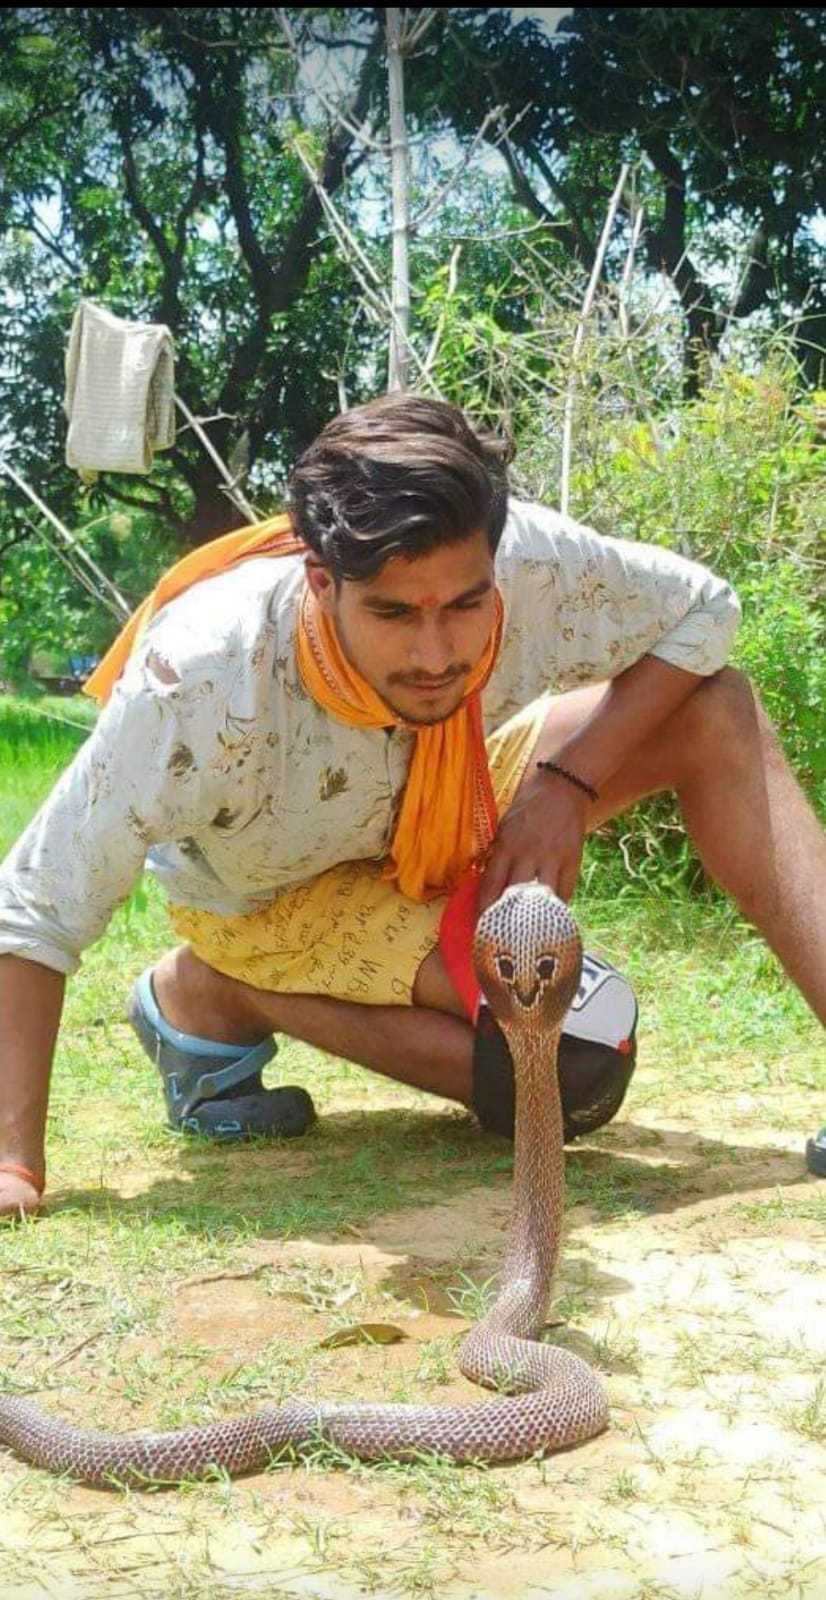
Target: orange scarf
pixel 448 813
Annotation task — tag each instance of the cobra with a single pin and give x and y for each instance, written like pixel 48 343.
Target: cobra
pixel 528 955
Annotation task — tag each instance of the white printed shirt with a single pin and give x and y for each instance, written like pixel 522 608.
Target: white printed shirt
pixel 232 784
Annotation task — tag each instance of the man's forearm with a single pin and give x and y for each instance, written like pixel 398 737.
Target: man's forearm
pixel 31 1001
pixel 636 702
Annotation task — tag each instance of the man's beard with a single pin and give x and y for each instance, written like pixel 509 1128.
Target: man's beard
pixel 424 721
pixel 436 717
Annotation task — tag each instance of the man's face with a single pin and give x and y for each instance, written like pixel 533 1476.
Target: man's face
pixel 417 629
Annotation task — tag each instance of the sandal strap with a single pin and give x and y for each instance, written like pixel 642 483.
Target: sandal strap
pixel 191 1069
pixel 192 1085
pixel 24 1172
pixel 189 1043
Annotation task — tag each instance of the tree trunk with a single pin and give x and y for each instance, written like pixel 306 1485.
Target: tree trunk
pixel 214 513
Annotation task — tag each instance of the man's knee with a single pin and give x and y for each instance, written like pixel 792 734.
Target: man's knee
pixel 596 1058
pixel 723 702
pixel 718 721
pixel 593 1079
pixel 184 977
pixel 433 988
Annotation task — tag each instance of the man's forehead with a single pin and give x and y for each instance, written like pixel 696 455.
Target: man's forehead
pixel 434 579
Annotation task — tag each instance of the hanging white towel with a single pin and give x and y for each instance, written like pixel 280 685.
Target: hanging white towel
pixel 120 392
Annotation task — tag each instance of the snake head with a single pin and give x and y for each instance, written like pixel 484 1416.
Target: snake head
pixel 528 954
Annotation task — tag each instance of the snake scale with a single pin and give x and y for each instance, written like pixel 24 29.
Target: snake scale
pixel 528 955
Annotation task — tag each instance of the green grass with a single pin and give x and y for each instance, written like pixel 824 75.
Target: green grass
pixel 36 742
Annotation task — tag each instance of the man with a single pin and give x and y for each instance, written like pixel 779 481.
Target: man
pixel 294 740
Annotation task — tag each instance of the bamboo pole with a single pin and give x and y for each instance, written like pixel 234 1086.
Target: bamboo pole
pixel 76 548
pixel 399 357
pixel 568 415
pixel 235 494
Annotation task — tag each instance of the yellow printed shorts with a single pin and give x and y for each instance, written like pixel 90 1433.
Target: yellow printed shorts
pixel 348 933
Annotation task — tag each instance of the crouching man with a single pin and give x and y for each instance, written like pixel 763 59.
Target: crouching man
pixel 316 728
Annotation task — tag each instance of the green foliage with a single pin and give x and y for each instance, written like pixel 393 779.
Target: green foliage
pixel 781 647
pixel 739 469
pixel 36 744
pixel 150 167
pixel 43 608
pixel 739 485
pixel 733 479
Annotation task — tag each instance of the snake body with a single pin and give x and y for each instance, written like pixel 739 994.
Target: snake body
pixel 528 956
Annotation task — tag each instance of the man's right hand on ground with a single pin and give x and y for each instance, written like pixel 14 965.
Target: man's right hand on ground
pixel 31 999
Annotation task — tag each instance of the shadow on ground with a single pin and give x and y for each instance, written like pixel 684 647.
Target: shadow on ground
pixel 355 1166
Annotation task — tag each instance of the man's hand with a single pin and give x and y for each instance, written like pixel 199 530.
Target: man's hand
pixel 543 833
pixel 17 1197
pixel 31 997
pixel 541 836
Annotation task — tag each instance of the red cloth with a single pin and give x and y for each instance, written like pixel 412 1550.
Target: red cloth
pixel 456 931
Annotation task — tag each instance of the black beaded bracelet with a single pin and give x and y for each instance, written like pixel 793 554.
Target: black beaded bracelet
pixel 553 766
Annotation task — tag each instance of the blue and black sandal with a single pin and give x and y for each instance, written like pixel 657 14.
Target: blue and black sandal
pixel 215 1089
pixel 816 1154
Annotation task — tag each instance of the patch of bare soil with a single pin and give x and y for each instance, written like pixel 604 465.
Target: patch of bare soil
pixel 692 1277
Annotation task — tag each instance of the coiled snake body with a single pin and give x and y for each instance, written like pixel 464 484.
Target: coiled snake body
pixel 528 955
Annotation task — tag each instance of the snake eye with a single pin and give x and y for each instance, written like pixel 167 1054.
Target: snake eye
pixel 546 967
pixel 505 968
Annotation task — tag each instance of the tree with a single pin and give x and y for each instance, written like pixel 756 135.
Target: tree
pixel 179 165
pixel 162 140
pixel 173 165
pixel 723 108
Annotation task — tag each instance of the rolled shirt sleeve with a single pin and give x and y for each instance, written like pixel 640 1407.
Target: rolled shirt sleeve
pixel 584 606
pixel 136 780
pixel 704 608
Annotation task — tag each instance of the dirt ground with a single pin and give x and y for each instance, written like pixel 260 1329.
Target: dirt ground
pixel 705 1310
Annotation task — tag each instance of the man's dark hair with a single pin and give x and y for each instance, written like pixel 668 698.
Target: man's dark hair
pixel 398 476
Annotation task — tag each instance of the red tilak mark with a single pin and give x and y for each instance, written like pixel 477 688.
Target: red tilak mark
pixel 429 601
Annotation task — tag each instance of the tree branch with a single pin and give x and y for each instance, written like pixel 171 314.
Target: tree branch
pixel 51 244
pixel 164 502
pixel 376 297
pixel 576 237
pixel 43 108
pixel 18 539
pixel 570 234
pixel 568 415
pixel 335 112
pixel 666 252
pixel 197 193
pixel 170 256
pixel 452 281
pixel 756 282
pixel 339 43
pixel 398 366
pixel 223 115
pixel 289 274
pixel 522 187
pixel 413 36
pixel 435 204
